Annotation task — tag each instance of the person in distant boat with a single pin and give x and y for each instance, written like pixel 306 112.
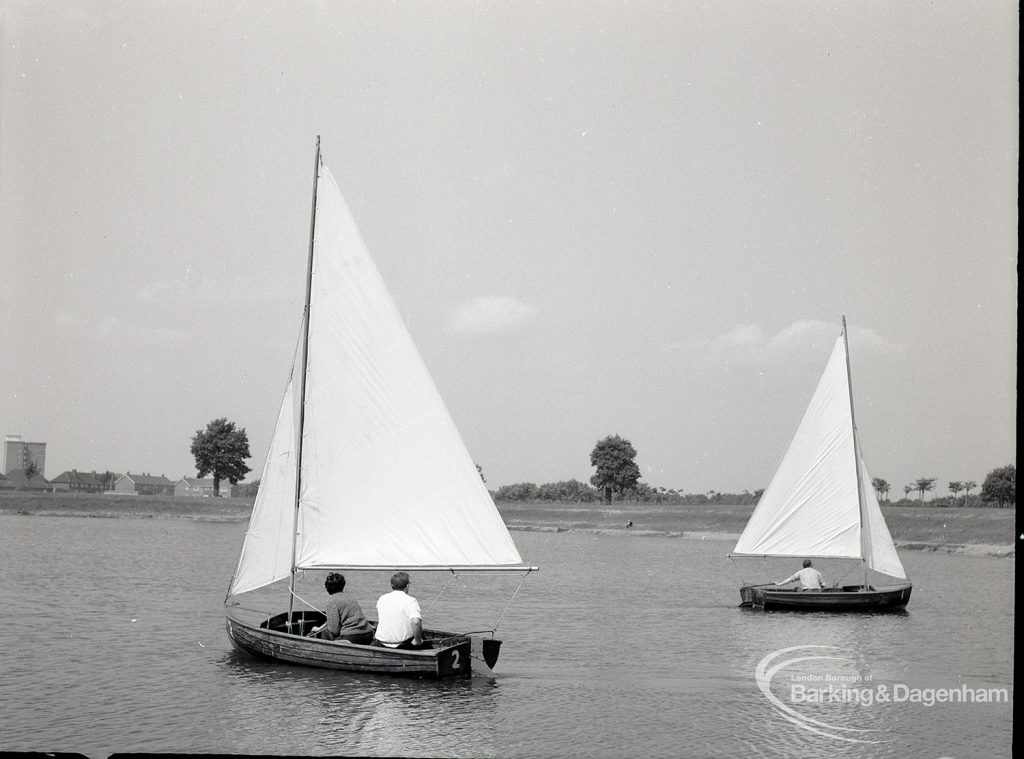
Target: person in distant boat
pixel 809 577
pixel 399 620
pixel 345 620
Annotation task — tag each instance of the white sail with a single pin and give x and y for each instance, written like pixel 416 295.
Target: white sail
pixel 812 506
pixel 386 479
pixel 267 550
pixel 880 553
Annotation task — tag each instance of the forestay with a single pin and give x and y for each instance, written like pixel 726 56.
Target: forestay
pixel 813 506
pixel 386 479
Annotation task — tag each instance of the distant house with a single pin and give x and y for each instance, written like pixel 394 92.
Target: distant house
pixel 193 486
pixel 21 482
pixel 143 484
pixel 5 484
pixel 78 482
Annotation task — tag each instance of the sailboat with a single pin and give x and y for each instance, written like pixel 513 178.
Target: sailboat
pixel 821 504
pixel 366 471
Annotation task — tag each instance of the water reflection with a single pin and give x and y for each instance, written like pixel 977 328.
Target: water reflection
pixel 362 714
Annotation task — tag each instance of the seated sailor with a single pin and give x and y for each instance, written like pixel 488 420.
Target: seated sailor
pixel 399 620
pixel 345 620
pixel 809 577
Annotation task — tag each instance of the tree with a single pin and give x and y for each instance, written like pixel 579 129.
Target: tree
pixel 644 492
pixel 221 449
pixel 954 488
pixel 924 483
pixel 881 487
pixel 570 491
pixel 108 479
pixel 907 490
pixel 616 470
pixel 1001 486
pixel 31 469
pixel 520 491
pixel 968 487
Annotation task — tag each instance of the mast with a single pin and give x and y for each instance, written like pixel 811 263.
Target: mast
pixel 865 551
pixel 302 383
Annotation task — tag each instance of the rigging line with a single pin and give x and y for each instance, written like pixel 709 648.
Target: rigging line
pixel 311 606
pixel 441 592
pixel 732 560
pixel 513 598
pixel 848 572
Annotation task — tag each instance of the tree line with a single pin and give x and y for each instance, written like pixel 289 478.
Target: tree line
pixel 574 491
pixel 618 477
pixel 998 490
pixel 222 448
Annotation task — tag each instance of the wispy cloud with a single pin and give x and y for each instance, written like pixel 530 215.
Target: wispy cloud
pixel 488 314
pixel 753 342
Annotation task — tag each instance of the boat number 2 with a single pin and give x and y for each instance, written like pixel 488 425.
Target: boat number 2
pixel 455 659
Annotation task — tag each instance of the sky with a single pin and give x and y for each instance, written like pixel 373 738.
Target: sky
pixel 636 218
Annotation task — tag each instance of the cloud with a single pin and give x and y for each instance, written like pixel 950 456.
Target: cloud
pixel 799 334
pixel 488 314
pixel 752 342
pixel 740 337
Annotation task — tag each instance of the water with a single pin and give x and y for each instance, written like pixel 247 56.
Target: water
pixel 621 646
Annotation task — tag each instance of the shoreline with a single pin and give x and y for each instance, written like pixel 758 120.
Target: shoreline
pixel 916 528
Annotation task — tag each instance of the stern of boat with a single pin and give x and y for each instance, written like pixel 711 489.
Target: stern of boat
pixel 751 595
pixel 477 654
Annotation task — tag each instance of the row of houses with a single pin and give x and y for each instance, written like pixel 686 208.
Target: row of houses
pixel 74 481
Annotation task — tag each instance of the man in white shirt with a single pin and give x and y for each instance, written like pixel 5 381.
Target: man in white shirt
pixel 809 577
pixel 399 621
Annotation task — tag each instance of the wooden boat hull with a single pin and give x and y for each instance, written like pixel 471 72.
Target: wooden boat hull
pixel 848 598
pixel 451 656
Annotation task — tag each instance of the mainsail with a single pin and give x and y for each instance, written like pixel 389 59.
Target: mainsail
pixel 386 480
pixel 814 505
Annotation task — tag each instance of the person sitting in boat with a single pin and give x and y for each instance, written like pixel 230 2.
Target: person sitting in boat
pixel 809 577
pixel 399 620
pixel 345 620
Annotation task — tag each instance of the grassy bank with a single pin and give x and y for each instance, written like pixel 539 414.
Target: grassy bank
pixel 108 505
pixel 988 530
pixel 911 526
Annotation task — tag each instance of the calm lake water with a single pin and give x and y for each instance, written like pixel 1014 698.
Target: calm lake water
pixel 620 646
